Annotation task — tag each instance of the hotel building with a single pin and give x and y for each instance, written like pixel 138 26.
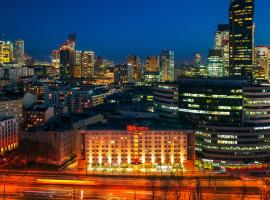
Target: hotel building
pixel 145 144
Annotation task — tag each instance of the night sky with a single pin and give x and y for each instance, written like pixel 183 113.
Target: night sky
pixel 116 28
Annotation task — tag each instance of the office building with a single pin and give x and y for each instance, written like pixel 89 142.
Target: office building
pixel 241 38
pixel 197 60
pixel 222 36
pixel 167 65
pixel 215 63
pixel 56 59
pixel 166 101
pixel 231 118
pixel 6 52
pixel 152 64
pixel 76 98
pixel 123 74
pixel 135 63
pixel 68 57
pixel 78 59
pixel 262 63
pixel 19 52
pixel 87 64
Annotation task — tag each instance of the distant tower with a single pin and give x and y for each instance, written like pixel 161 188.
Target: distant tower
pixel 222 37
pixel 241 38
pixel 197 60
pixel 135 62
pixel 19 51
pixel 87 64
pixel 167 65
pixel 153 64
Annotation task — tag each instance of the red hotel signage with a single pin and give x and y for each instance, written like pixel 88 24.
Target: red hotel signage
pixel 137 128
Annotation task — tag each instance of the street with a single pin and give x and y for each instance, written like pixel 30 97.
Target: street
pixel 20 185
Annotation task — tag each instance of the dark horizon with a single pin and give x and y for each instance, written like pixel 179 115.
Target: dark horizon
pixel 115 29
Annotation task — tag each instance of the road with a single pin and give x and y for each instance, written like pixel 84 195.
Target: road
pixel 19 185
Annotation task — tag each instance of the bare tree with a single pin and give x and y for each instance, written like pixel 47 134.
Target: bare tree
pixel 198 190
pixel 153 180
pixel 178 187
pixel 244 190
pixel 165 186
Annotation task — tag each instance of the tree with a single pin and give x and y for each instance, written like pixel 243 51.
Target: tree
pixel 153 180
pixel 165 186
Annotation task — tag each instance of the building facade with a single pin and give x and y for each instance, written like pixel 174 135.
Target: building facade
pixel 222 37
pixel 9 134
pixel 167 65
pixel 166 101
pixel 262 63
pixel 231 117
pixel 241 38
pixel 215 63
pixel 36 116
pixel 12 106
pixel 87 64
pixel 138 146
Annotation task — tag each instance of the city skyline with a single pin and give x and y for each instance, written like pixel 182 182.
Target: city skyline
pixel 106 36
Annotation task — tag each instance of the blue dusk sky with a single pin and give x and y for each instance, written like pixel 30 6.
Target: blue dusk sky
pixel 116 28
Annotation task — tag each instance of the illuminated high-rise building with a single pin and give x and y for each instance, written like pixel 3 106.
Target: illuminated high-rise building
pixel 167 65
pixel 152 64
pixel 123 74
pixel 262 62
pixel 222 37
pixel 135 62
pixel 6 52
pixel 78 59
pixel 241 38
pixel 197 60
pixel 67 60
pixel 56 59
pixel 68 57
pixel 215 63
pixel 88 64
pixel 19 51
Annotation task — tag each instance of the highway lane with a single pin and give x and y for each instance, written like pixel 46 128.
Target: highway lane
pixel 29 186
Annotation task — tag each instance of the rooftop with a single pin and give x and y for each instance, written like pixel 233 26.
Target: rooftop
pixel 121 124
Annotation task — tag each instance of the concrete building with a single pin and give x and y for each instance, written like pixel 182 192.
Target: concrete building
pixel 12 106
pixel 61 135
pixel 9 135
pixel 36 116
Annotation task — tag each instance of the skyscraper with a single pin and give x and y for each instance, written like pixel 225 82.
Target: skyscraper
pixel 222 37
pixel 135 62
pixel 241 38
pixel 19 51
pixel 6 52
pixel 88 64
pixel 197 60
pixel 55 59
pixel 262 62
pixel 152 64
pixel 68 57
pixel 215 63
pixel 167 65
